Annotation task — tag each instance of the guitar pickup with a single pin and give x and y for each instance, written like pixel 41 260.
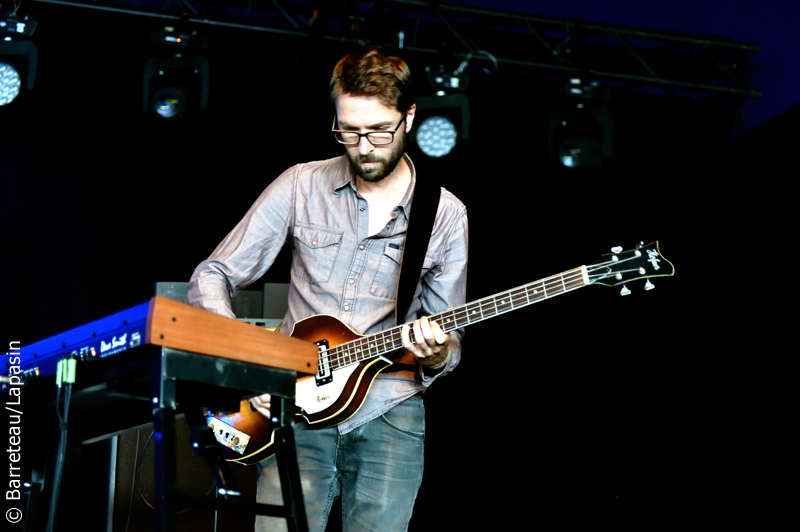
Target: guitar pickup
pixel 324 374
pixel 228 436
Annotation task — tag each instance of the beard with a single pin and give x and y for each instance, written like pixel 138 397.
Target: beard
pixel 386 164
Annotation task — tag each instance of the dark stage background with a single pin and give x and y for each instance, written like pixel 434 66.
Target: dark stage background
pixel 99 202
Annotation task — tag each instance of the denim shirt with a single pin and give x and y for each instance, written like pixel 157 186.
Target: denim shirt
pixel 338 268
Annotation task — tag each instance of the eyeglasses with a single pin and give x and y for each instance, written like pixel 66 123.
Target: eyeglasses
pixel 377 138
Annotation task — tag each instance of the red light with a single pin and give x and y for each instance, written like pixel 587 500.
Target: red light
pixel 179 39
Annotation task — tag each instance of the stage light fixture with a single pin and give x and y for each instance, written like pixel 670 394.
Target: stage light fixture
pixel 18 62
pixel 175 86
pixel 444 119
pixel 582 127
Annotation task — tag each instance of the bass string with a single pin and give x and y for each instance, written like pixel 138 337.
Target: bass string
pixel 390 340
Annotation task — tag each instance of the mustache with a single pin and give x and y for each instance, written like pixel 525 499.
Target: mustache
pixel 371 158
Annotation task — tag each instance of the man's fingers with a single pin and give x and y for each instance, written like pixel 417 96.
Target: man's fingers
pixel 262 404
pixel 430 332
pixel 419 336
pixel 439 335
pixel 404 336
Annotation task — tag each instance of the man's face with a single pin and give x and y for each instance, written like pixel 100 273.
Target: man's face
pixel 364 114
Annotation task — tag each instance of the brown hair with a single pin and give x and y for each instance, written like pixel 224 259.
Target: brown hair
pixel 371 72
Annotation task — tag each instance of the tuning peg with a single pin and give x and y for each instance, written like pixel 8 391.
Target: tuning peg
pixel 640 245
pixel 648 285
pixel 616 249
pixel 624 291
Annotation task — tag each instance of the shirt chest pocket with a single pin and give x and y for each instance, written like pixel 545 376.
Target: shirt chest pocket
pixel 385 282
pixel 315 252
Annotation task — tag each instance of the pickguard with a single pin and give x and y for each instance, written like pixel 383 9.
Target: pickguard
pixel 312 398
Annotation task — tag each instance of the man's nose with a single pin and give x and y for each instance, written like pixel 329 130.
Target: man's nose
pixel 364 146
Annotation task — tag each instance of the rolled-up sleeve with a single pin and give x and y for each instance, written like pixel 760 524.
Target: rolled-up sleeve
pixel 247 251
pixel 444 286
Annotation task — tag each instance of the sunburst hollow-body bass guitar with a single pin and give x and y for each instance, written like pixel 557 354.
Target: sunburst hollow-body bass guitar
pixel 349 362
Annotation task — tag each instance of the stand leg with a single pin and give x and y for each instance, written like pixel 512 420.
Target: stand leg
pixel 164 403
pixel 164 468
pixel 286 455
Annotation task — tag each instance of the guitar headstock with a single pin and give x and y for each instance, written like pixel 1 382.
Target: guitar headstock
pixel 620 267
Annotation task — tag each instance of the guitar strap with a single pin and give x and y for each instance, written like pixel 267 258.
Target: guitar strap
pixel 424 205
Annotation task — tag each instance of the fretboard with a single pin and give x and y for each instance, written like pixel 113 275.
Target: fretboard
pixel 390 340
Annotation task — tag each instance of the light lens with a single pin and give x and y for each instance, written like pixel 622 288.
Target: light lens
pixel 10 83
pixel 167 108
pixel 436 137
pixel 170 102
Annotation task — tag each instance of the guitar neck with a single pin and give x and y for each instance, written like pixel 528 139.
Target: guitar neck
pixel 391 339
pixel 513 299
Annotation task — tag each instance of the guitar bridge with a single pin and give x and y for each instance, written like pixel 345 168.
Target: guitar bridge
pixel 324 374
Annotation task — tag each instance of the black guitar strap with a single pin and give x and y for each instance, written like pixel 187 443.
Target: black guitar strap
pixel 424 205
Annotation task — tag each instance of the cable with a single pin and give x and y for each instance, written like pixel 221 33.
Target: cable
pixel 139 469
pixel 133 484
pixel 65 374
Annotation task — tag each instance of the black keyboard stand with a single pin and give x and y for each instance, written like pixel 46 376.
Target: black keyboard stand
pixel 157 384
pixel 180 381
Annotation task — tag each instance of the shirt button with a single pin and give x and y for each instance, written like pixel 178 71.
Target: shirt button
pixel 347 308
pixel 313 242
pixel 362 247
pixel 352 281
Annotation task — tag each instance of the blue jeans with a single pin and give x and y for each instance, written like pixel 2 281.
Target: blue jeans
pixel 376 469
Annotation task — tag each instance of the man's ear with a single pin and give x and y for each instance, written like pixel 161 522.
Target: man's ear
pixel 412 111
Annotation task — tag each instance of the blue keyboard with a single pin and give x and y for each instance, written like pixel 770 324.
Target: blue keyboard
pixel 103 338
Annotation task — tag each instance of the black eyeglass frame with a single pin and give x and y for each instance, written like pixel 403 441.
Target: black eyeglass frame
pixel 367 134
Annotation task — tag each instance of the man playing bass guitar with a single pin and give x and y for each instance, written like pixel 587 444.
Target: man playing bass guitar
pixel 345 220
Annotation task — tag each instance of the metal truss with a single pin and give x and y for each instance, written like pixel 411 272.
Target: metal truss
pixel 484 40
